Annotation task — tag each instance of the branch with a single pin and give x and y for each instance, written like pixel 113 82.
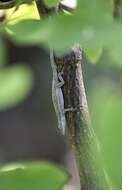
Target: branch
pixel 79 130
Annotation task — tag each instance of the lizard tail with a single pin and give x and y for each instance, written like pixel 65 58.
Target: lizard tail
pixel 62 125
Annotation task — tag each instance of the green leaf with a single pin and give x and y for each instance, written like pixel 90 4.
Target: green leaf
pixel 34 176
pixel 22 12
pixel 116 56
pixel 107 121
pixel 33 31
pixel 51 3
pixel 96 6
pixel 15 84
pixel 93 54
pixel 85 25
pixel 92 25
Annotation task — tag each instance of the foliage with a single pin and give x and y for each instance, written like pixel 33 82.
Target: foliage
pixel 77 27
pixel 106 113
pixel 93 26
pixel 23 12
pixel 51 3
pixel 40 175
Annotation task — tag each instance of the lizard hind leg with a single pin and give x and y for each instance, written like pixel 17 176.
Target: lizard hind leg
pixel 60 83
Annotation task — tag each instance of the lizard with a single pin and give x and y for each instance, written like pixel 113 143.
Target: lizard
pixel 57 94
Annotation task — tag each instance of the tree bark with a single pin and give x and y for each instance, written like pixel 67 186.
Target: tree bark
pixel 79 131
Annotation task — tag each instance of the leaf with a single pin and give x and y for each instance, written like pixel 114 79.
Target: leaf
pixel 107 121
pixel 91 25
pixel 87 26
pixel 34 176
pixel 32 31
pixel 68 27
pixel 23 12
pixel 93 54
pixel 51 3
pixel 116 56
pixel 104 7
pixel 15 84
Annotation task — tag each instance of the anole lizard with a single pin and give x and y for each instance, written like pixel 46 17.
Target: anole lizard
pixel 57 95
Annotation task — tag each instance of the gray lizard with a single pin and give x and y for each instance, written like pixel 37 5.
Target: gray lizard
pixel 57 95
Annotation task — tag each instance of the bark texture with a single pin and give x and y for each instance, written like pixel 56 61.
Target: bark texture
pixel 79 131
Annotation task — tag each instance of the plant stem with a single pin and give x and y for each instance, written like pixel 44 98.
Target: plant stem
pixel 79 131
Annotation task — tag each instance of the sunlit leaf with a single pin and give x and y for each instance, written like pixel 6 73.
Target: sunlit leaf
pixel 34 176
pixel 23 12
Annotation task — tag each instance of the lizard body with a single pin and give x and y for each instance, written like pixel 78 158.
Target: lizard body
pixel 57 95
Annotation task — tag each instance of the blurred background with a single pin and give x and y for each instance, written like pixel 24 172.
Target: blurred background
pixel 28 127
